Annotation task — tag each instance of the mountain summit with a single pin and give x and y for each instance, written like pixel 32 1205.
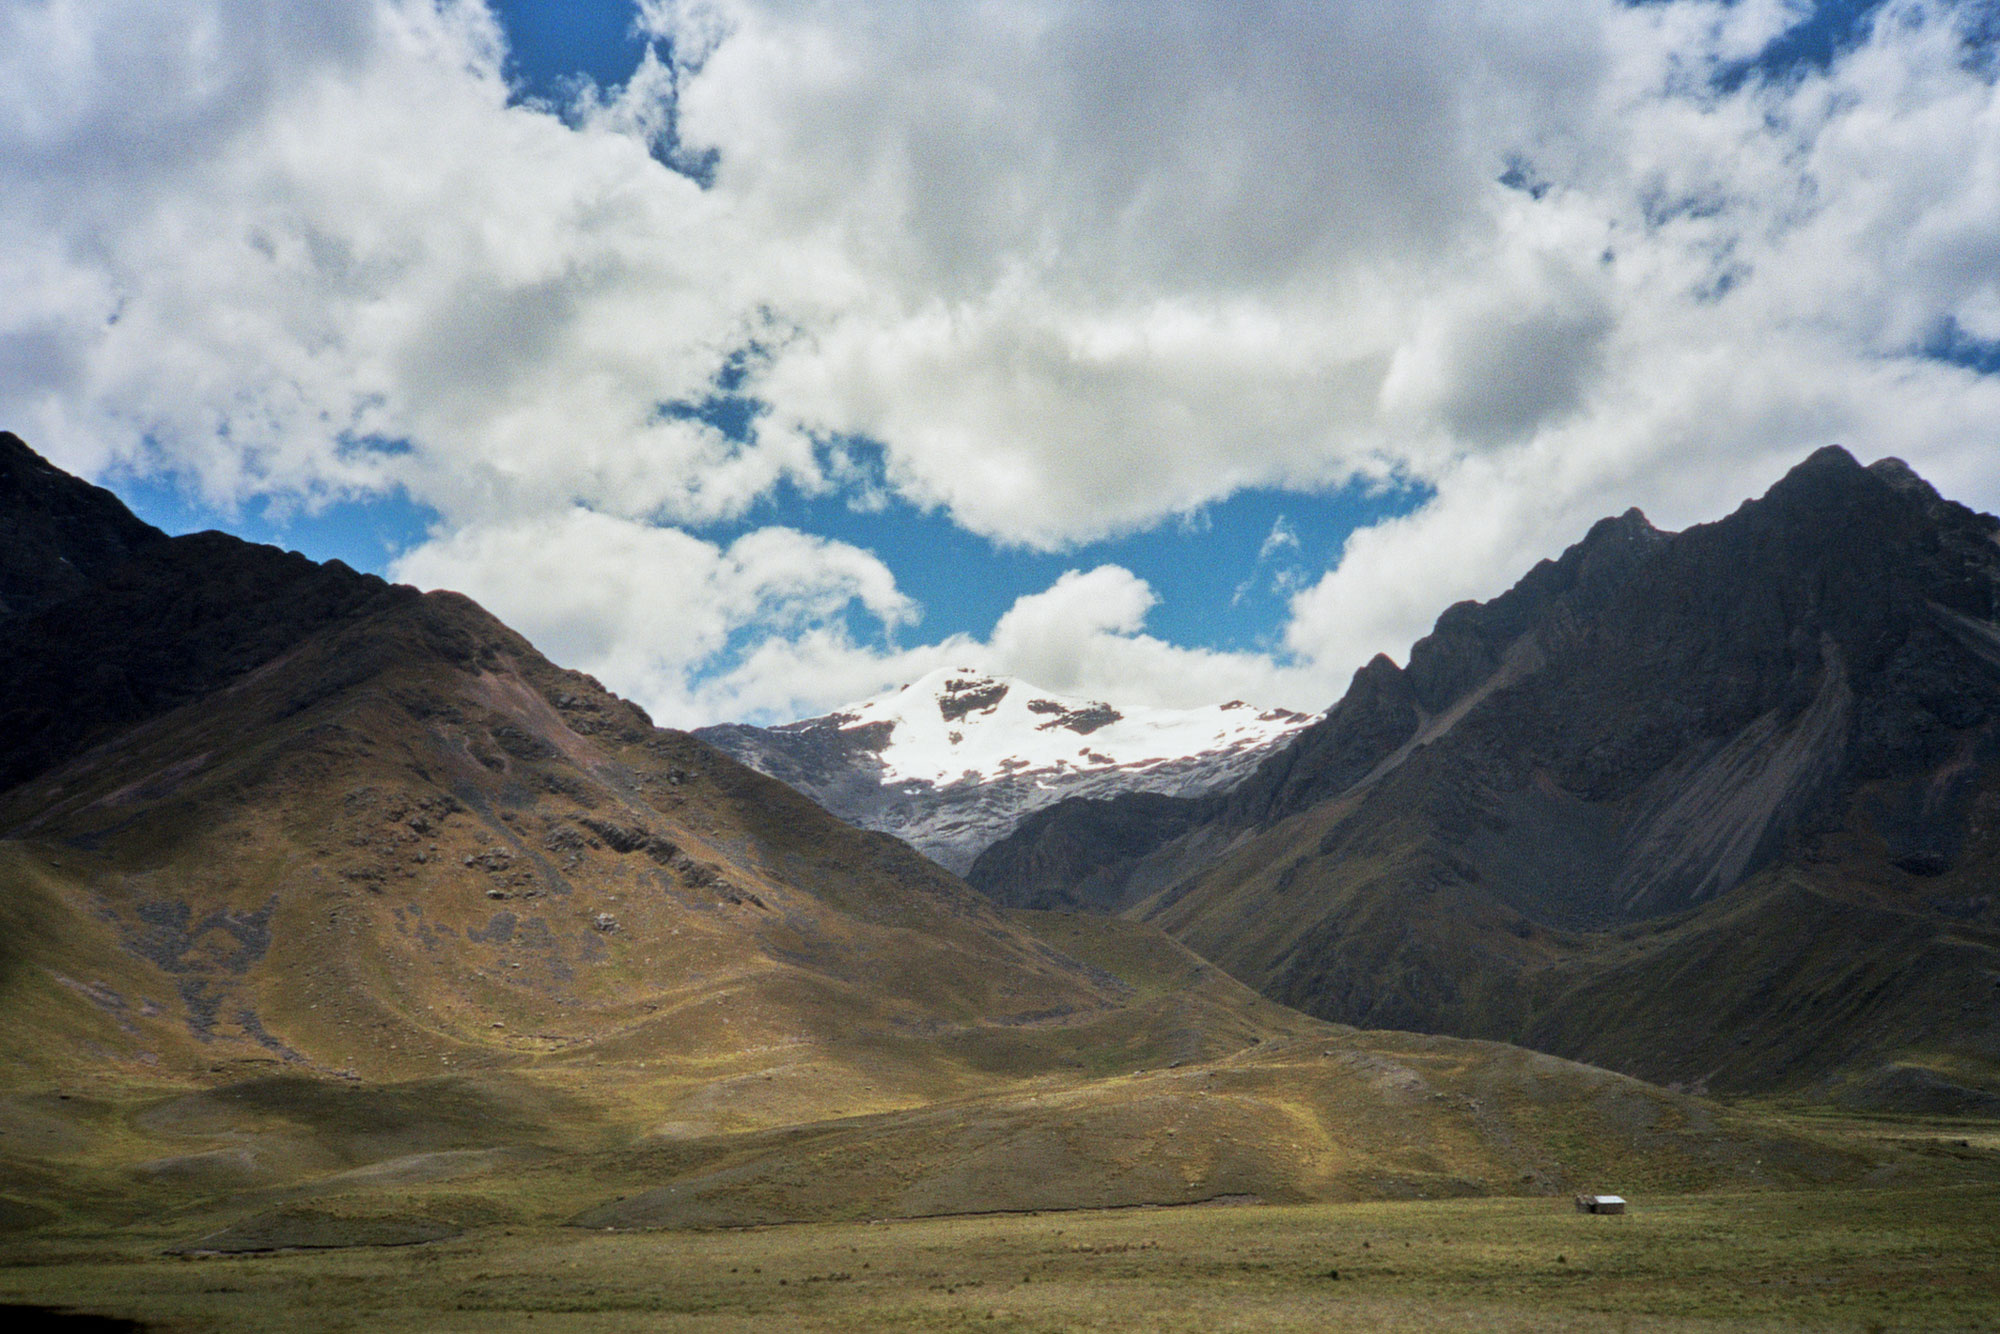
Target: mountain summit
pixel 952 762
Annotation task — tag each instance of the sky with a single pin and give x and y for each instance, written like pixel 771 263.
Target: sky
pixel 758 355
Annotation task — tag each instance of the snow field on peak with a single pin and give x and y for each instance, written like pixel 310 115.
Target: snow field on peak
pixel 956 725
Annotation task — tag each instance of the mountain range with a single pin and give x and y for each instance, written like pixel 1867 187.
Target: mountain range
pixel 952 763
pixel 331 912
pixel 1716 808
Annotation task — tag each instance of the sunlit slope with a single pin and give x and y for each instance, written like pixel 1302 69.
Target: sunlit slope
pixel 410 844
pixel 1162 1102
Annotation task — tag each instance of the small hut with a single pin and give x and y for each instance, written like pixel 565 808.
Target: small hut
pixel 1600 1204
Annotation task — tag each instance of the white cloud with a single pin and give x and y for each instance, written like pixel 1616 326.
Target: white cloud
pixel 1085 635
pixel 650 609
pixel 1076 271
pixel 779 624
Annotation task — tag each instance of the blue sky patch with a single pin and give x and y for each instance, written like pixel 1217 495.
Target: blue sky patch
pixel 1222 581
pixel 549 46
pixel 1224 574
pixel 1833 28
pixel 1953 344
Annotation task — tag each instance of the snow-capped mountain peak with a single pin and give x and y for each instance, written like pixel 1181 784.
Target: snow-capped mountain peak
pixel 958 725
pixel 954 760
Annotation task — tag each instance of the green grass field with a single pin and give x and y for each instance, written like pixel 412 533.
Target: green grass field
pixel 1833 1259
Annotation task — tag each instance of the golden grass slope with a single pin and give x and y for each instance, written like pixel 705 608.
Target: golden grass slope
pixel 1093 1114
pixel 412 846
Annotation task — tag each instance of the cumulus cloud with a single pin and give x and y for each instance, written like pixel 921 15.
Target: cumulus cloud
pixel 649 608
pixel 1073 271
pixel 319 236
pixel 780 624
pixel 1085 635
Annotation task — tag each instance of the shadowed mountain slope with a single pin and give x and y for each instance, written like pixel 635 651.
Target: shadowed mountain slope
pixel 56 533
pixel 1777 730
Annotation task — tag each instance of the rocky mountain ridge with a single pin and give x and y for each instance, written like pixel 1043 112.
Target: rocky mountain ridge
pixel 952 762
pixel 1790 716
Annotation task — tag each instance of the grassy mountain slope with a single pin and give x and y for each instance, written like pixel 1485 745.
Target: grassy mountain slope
pixel 408 842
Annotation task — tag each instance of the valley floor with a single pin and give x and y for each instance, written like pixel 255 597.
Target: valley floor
pixel 1837 1259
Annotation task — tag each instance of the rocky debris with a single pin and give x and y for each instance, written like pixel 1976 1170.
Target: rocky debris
pixel 196 950
pixel 369 877
pixel 708 876
pixel 563 785
pixel 622 838
pixel 589 710
pixel 605 922
pixel 520 744
pixel 960 698
pixel 697 874
pixel 418 816
pixel 564 838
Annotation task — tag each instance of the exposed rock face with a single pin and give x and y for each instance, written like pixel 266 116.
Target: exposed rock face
pixel 953 762
pixel 1806 692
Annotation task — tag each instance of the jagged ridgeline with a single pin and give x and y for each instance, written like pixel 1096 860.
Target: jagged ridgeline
pixel 331 913
pixel 1718 807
